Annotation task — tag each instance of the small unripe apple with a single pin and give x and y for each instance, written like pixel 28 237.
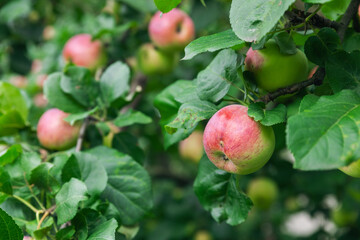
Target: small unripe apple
pixel 172 30
pixel 54 132
pixel 274 70
pixel 40 100
pixel 236 143
pixel 192 147
pixel 263 192
pixel 84 52
pixel 152 61
pixel 342 217
pixel 202 235
pixel 353 169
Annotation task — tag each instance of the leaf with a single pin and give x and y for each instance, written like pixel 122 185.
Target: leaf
pixel 326 135
pixel 212 43
pixel 267 117
pixel 12 100
pixel 343 70
pixel 41 177
pixel 285 43
pixel 316 1
pixel 114 82
pixel 10 155
pixel 88 169
pixel 166 5
pixel 5 182
pixel 80 84
pixel 8 228
pixel 218 193
pixel 319 47
pixel 251 20
pixel 131 117
pixel 335 8
pixel 128 144
pixel 190 114
pixel 72 118
pixel 68 199
pixel 44 230
pixel 11 123
pixel 57 98
pixel 65 233
pixel 105 231
pixel 15 9
pixel 213 83
pixel 307 102
pixel 86 221
pixel 141 5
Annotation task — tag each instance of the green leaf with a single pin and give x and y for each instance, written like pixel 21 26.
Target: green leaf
pixel 218 193
pixel 307 102
pixel 11 123
pixel 114 82
pixel 141 5
pixel 166 5
pixel 46 226
pixel 128 144
pixel 335 8
pixel 213 83
pixel 212 43
pixel 68 199
pixel 131 117
pixel 267 117
pixel 87 168
pixel 65 233
pixel 285 43
pixel 319 47
pixel 72 118
pixel 86 221
pixel 190 114
pixel 251 20
pixel 10 155
pixel 316 1
pixel 29 161
pixel 57 98
pixel 128 185
pixel 343 70
pixel 5 182
pixel 41 177
pixel 326 135
pixel 105 231
pixel 8 228
pixel 80 84
pixel 15 9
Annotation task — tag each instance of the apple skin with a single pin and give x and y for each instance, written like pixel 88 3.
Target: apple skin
pixel 274 70
pixel 82 51
pixel 192 147
pixel 172 30
pixel 40 100
pixel 152 61
pixel 353 169
pixel 236 143
pixel 54 132
pixel 263 192
pixel 19 81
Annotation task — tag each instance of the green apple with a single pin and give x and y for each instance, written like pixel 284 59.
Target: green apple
pixel 274 70
pixel 353 169
pixel 192 147
pixel 152 61
pixel 263 192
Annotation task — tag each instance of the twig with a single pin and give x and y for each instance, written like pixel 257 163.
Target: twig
pixel 319 75
pixel 80 139
pixel 298 16
pixel 47 212
pixel 136 86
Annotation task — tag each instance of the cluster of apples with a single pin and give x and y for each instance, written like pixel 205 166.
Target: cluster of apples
pixel 170 33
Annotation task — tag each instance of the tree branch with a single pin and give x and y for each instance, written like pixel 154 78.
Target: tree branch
pixel 297 16
pixel 80 139
pixel 319 75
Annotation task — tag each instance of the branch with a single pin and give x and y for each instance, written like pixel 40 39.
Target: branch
pixel 319 75
pixel 298 16
pixel 137 85
pixel 81 135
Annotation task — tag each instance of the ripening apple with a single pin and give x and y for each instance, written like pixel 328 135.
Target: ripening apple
pixel 172 30
pixel 274 70
pixel 353 169
pixel 236 143
pixel 19 81
pixel 54 132
pixel 342 217
pixel 27 238
pixel 40 100
pixel 263 192
pixel 152 61
pixel 192 147
pixel 83 51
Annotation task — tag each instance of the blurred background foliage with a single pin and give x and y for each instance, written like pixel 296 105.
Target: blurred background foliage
pixel 310 205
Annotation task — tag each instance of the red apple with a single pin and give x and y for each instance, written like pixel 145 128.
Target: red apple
pixel 263 192
pixel 236 143
pixel 273 69
pixel 40 100
pixel 54 132
pixel 36 66
pixel 152 61
pixel 172 30
pixel 82 51
pixel 192 147
pixel 19 81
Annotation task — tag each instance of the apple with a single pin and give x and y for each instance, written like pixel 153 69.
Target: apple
pixel 152 61
pixel 192 147
pixel 84 52
pixel 202 235
pixel 19 81
pixel 237 143
pixel 172 30
pixel 54 132
pixel 27 238
pixel 263 192
pixel 36 66
pixel 49 33
pixel 342 217
pixel 40 100
pixel 353 169
pixel 274 70
pixel 40 80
